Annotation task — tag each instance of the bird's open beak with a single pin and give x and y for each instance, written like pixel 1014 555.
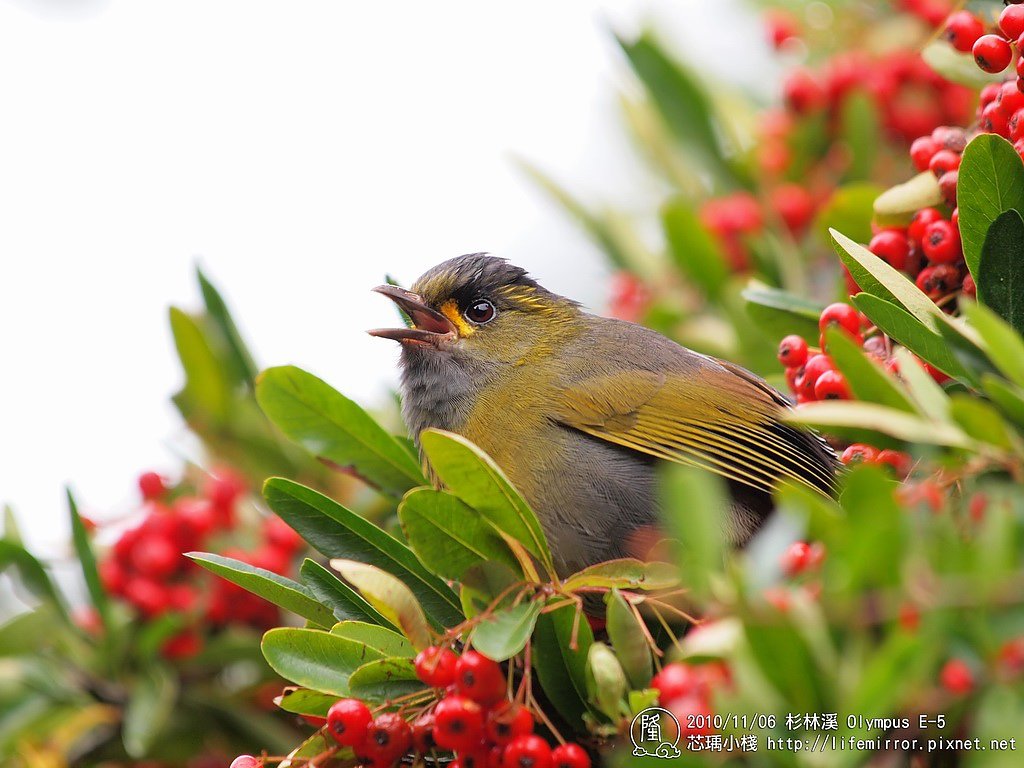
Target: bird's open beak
pixel 429 326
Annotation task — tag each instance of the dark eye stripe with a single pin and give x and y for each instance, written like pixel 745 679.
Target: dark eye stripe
pixel 480 311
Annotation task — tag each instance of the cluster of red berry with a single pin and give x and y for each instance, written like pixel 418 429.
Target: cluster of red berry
pixel 992 50
pixel 687 691
pixel 472 717
pixel 146 568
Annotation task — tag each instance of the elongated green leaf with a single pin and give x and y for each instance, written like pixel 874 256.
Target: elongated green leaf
pixel 385 679
pixel 31 574
pixel 867 379
pixel 448 536
pixel 561 665
pixel 504 633
pixel 340 533
pixel 345 603
pixel 990 182
pixel 1003 345
pixel 484 583
pixel 87 562
pixel 981 421
pixel 606 680
pixel 682 102
pixel 848 210
pixel 782 313
pixel 29 632
pixel 149 709
pixel 628 640
pixel 876 277
pixel 390 596
pixel 626 573
pixel 1009 397
pixel 279 590
pixel 384 640
pixel 911 333
pixel 692 248
pixel 315 659
pixel 901 201
pixel 694 509
pixel 861 126
pixel 303 701
pixel 239 358
pixel 1000 272
pixel 336 429
pixel 931 399
pixel 867 418
pixel 207 393
pixel 473 476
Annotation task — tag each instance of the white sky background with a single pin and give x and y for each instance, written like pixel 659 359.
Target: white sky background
pixel 298 151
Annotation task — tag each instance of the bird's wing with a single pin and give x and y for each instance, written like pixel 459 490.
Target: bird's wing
pixel 724 419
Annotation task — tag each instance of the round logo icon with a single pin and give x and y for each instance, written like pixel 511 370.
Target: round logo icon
pixel 655 733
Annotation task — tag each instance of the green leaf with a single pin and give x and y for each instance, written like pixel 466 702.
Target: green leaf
pixel 694 510
pixel 692 248
pixel 239 358
pixel 87 562
pixel 482 584
pixel 206 395
pixel 473 476
pixel 980 420
pixel 911 333
pixel 315 659
pixel 345 603
pixel 990 182
pixel 876 277
pixel 628 639
pixel 561 666
pixel 683 104
pixel 149 708
pixel 849 210
pixel 868 419
pixel 861 126
pixel 1008 397
pixel 902 201
pixel 380 638
pixel 448 536
pixel 271 586
pixel 504 633
pixel 1003 345
pixel 28 633
pixel 340 533
pixel 31 574
pixel 625 573
pixel 384 679
pixel 955 66
pixel 302 701
pixel 1000 273
pixel 931 399
pixel 867 379
pixel 606 680
pixel 782 313
pixel 390 596
pixel 336 429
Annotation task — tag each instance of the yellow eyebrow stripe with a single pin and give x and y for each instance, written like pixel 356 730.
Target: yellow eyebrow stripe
pixel 451 310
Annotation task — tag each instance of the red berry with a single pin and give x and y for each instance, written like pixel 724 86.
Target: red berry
pixel 423 734
pixel 155 557
pixel 388 738
pixel 891 246
pixel 992 53
pixel 898 460
pixel 831 385
pixel 841 315
pixel 348 721
pixel 674 681
pixel 693 714
pixel 183 645
pixel 947 186
pixel 223 487
pixel 802 93
pixel 801 557
pixel 152 486
pixel 436 666
pixel 569 756
pixel 951 138
pixel 963 28
pixel 528 752
pixel 994 120
pixel 793 351
pixel 458 723
pixel 1015 125
pixel 1011 656
pixel 1011 21
pixel 988 94
pixel 968 287
pixel 920 222
pixel 113 576
pixel 246 761
pixel 938 281
pixel 858 453
pixel 922 151
pixel 508 723
pixel 1010 99
pixel 146 595
pixel 943 161
pixel 794 205
pixel 813 369
pixel 781 26
pixel 479 678
pixel 957 678
pixel 941 243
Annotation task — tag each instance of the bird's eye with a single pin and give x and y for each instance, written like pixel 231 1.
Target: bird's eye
pixel 481 311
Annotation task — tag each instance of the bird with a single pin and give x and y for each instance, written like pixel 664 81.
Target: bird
pixel 580 411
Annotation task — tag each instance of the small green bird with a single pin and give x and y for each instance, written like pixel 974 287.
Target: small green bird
pixel 578 410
